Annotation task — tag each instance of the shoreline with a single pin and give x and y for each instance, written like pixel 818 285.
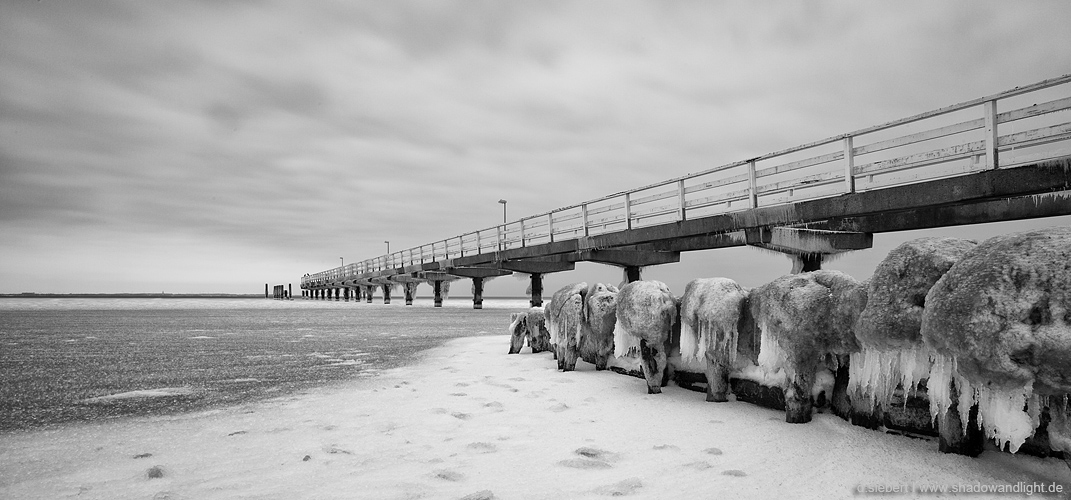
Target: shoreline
pixel 466 420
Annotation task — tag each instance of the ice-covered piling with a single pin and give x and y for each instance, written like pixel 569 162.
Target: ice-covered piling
pixel 805 321
pixel 889 327
pixel 711 313
pixel 599 318
pixel 564 319
pixel 646 313
pixel 1000 323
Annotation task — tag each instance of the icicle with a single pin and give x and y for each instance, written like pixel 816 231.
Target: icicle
pixel 772 359
pixel 1001 415
pixel 624 342
pixel 914 366
pixel 689 343
pixel 939 386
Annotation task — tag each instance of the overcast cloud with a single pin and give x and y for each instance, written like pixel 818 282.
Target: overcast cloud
pixel 216 146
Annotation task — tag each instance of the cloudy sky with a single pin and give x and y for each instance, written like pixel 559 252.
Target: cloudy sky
pixel 214 146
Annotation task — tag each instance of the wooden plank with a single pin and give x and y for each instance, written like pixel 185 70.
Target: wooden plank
pixel 922 159
pixel 1035 136
pixel 1035 110
pixel 957 128
pixel 738 195
pixel 802 182
pixel 654 197
pixel 718 183
pixel 796 165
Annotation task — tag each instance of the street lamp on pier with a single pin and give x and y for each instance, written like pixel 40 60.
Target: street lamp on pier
pixel 503 202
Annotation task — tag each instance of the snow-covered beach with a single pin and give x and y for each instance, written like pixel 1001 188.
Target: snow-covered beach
pixel 470 421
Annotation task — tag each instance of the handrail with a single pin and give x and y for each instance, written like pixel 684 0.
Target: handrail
pixel 583 219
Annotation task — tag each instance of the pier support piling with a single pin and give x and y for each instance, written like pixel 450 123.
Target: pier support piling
pixel 368 290
pixel 537 289
pixel 410 290
pixel 477 293
pixel 386 293
pixel 437 285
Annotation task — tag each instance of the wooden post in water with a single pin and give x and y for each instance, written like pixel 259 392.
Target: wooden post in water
pixel 438 286
pixel 477 293
pixel 265 290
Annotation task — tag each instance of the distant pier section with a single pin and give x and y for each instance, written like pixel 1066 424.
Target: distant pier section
pixel 997 158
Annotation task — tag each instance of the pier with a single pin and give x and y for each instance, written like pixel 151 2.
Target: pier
pixel 997 158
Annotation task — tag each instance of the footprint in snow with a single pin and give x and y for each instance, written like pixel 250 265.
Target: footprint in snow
pixel 734 472
pixel 558 408
pixel 713 451
pixel 461 416
pixel 458 394
pixel 584 463
pixel 669 447
pixel 596 454
pixel 700 465
pixel 518 379
pixel 448 475
pixel 482 447
pixel 620 488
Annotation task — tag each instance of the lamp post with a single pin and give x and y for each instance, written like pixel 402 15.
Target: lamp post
pixel 503 202
pixel 388 246
pixel 343 261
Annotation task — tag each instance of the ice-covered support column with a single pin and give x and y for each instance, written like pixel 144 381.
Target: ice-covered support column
pixel 646 313
pixel 537 289
pixel 368 291
pixel 409 288
pixel 437 291
pixel 386 293
pixel 477 293
pixel 805 319
pixel 632 273
pixel 346 293
pixel 357 294
pixel 805 262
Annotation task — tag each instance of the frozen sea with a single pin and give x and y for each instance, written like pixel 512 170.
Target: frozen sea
pixel 69 360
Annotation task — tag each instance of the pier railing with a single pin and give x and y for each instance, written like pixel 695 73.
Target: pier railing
pixel 956 140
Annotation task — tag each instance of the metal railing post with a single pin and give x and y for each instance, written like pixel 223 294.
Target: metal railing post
pixel 628 211
pixel 522 233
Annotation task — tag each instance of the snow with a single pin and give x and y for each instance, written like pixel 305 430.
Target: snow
pixel 472 421
pixel 147 393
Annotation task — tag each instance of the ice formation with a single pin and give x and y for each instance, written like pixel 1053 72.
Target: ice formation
pixel 564 319
pixel 599 319
pixel 889 327
pixel 711 312
pixel 646 311
pixel 999 323
pixel 803 318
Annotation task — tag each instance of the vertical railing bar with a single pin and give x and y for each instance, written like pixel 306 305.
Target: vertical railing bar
pixel 584 209
pixel 991 135
pixel 849 165
pixel 550 226
pixel 628 210
pixel 681 204
pixel 753 196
